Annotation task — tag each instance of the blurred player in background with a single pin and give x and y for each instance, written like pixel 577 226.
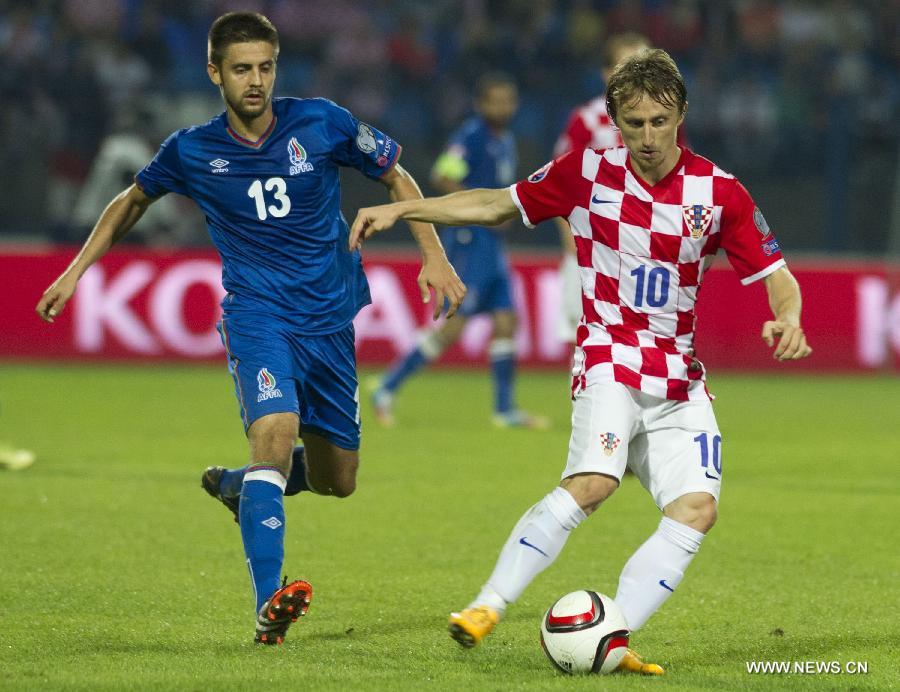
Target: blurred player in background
pixel 481 153
pixel 589 125
pixel 266 175
pixel 644 217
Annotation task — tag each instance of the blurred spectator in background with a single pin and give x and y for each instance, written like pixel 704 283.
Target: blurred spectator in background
pixel 122 154
pixel 791 74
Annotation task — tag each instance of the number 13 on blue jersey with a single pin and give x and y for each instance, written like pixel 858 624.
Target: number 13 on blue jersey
pixel 278 188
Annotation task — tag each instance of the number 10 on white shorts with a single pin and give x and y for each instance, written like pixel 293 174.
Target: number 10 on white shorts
pixel 673 447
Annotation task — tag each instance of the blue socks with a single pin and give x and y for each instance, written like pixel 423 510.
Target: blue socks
pixel 232 480
pixel 503 367
pixel 414 360
pixel 262 529
pixel 428 348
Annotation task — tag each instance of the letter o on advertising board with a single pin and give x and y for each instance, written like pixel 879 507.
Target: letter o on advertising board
pixel 167 311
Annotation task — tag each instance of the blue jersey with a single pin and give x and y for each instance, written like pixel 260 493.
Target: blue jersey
pixel 273 207
pixel 477 157
pixel 490 159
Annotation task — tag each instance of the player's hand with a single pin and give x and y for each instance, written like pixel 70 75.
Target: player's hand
pixel 371 220
pixel 439 274
pixel 791 342
pixel 55 298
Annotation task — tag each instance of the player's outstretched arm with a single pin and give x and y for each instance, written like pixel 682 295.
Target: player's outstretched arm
pixel 482 206
pixel 115 221
pixel 436 272
pixel 785 301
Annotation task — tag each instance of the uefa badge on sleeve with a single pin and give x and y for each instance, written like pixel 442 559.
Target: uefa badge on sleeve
pixel 760 222
pixel 610 443
pixel 540 173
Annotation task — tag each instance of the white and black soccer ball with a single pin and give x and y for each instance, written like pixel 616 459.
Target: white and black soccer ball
pixel 585 632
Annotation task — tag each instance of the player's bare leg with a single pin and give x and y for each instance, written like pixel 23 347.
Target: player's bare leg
pixel 331 470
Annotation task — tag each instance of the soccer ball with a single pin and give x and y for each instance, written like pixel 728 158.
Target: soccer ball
pixel 584 632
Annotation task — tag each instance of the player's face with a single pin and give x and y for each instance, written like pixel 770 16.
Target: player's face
pixel 499 104
pixel 650 131
pixel 246 78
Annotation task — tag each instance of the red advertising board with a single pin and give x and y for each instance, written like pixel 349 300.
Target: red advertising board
pixel 157 305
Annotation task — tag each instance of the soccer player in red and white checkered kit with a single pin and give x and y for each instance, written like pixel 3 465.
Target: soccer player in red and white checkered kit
pixel 588 125
pixel 644 217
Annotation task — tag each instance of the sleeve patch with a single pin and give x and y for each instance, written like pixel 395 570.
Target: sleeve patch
pixel 760 222
pixel 365 139
pixel 540 173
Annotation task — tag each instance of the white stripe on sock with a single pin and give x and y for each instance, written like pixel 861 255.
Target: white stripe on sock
pixel 267 475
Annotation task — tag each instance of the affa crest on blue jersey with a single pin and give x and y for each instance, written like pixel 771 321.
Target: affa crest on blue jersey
pixel 267 386
pixel 297 154
pixel 697 217
pixel 610 443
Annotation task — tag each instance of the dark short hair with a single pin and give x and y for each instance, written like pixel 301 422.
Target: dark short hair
pixel 489 80
pixel 239 27
pixel 650 71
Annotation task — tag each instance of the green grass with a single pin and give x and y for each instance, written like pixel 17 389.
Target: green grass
pixel 117 571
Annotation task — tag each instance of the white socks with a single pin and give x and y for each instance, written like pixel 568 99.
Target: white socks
pixel 532 546
pixel 649 577
pixel 655 570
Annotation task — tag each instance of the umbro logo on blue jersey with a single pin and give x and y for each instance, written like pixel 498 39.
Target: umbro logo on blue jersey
pixel 524 542
pixel 662 583
pixel 219 165
pixel 597 200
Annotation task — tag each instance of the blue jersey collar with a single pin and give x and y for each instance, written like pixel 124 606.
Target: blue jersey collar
pixel 249 143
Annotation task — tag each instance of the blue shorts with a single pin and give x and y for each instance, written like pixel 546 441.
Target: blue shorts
pixel 278 371
pixel 479 258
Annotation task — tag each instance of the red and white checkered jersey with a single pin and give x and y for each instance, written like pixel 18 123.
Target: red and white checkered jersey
pixel 589 125
pixel 640 251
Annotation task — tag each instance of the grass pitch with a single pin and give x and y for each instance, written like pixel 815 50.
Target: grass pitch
pixel 117 571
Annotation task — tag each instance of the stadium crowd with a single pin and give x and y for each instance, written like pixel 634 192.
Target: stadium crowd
pixel 798 97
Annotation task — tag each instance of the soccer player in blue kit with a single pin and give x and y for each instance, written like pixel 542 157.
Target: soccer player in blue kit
pixel 480 153
pixel 266 174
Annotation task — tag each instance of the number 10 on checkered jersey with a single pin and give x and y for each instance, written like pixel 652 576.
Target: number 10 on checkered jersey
pixel 651 287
